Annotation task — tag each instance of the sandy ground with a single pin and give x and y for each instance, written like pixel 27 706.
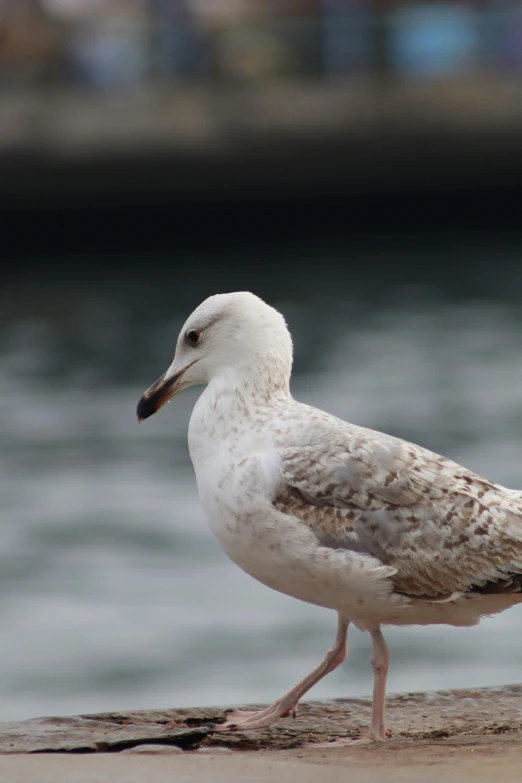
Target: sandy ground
pixel 462 760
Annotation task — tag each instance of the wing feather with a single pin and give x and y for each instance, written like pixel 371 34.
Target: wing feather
pixel 442 527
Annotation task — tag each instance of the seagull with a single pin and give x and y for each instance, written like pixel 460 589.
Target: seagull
pixel 378 529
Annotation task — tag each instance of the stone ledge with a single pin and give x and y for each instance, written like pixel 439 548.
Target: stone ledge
pixel 447 717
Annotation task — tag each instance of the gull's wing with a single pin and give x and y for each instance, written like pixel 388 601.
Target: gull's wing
pixel 442 527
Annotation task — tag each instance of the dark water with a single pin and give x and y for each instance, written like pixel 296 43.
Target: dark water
pixel 113 593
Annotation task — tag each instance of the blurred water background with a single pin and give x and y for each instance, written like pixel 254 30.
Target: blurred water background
pixel 113 592
pixel 356 164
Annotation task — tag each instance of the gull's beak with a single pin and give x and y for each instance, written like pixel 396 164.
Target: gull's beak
pixel 163 390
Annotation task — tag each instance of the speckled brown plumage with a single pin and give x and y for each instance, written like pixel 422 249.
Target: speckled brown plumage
pixel 442 527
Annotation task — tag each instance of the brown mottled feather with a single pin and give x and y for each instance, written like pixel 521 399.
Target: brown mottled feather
pixel 442 527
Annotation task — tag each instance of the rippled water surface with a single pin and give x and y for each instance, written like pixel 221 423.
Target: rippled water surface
pixel 113 592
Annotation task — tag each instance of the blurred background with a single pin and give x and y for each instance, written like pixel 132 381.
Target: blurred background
pixel 356 163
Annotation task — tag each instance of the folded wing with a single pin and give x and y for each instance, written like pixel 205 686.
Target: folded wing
pixel 443 528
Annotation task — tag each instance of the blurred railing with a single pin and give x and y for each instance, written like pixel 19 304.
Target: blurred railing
pixel 110 45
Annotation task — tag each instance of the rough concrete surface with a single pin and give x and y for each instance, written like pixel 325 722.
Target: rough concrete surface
pixel 457 736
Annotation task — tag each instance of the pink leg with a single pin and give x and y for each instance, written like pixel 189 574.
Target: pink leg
pixel 286 705
pixel 380 659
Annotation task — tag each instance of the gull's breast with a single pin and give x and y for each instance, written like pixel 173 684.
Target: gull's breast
pixel 277 549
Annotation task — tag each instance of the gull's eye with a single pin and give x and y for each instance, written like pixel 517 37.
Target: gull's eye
pixel 192 337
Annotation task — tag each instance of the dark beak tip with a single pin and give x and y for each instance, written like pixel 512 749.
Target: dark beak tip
pixel 156 396
pixel 144 409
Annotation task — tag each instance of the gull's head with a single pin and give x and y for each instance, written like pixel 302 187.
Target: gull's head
pixel 235 337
